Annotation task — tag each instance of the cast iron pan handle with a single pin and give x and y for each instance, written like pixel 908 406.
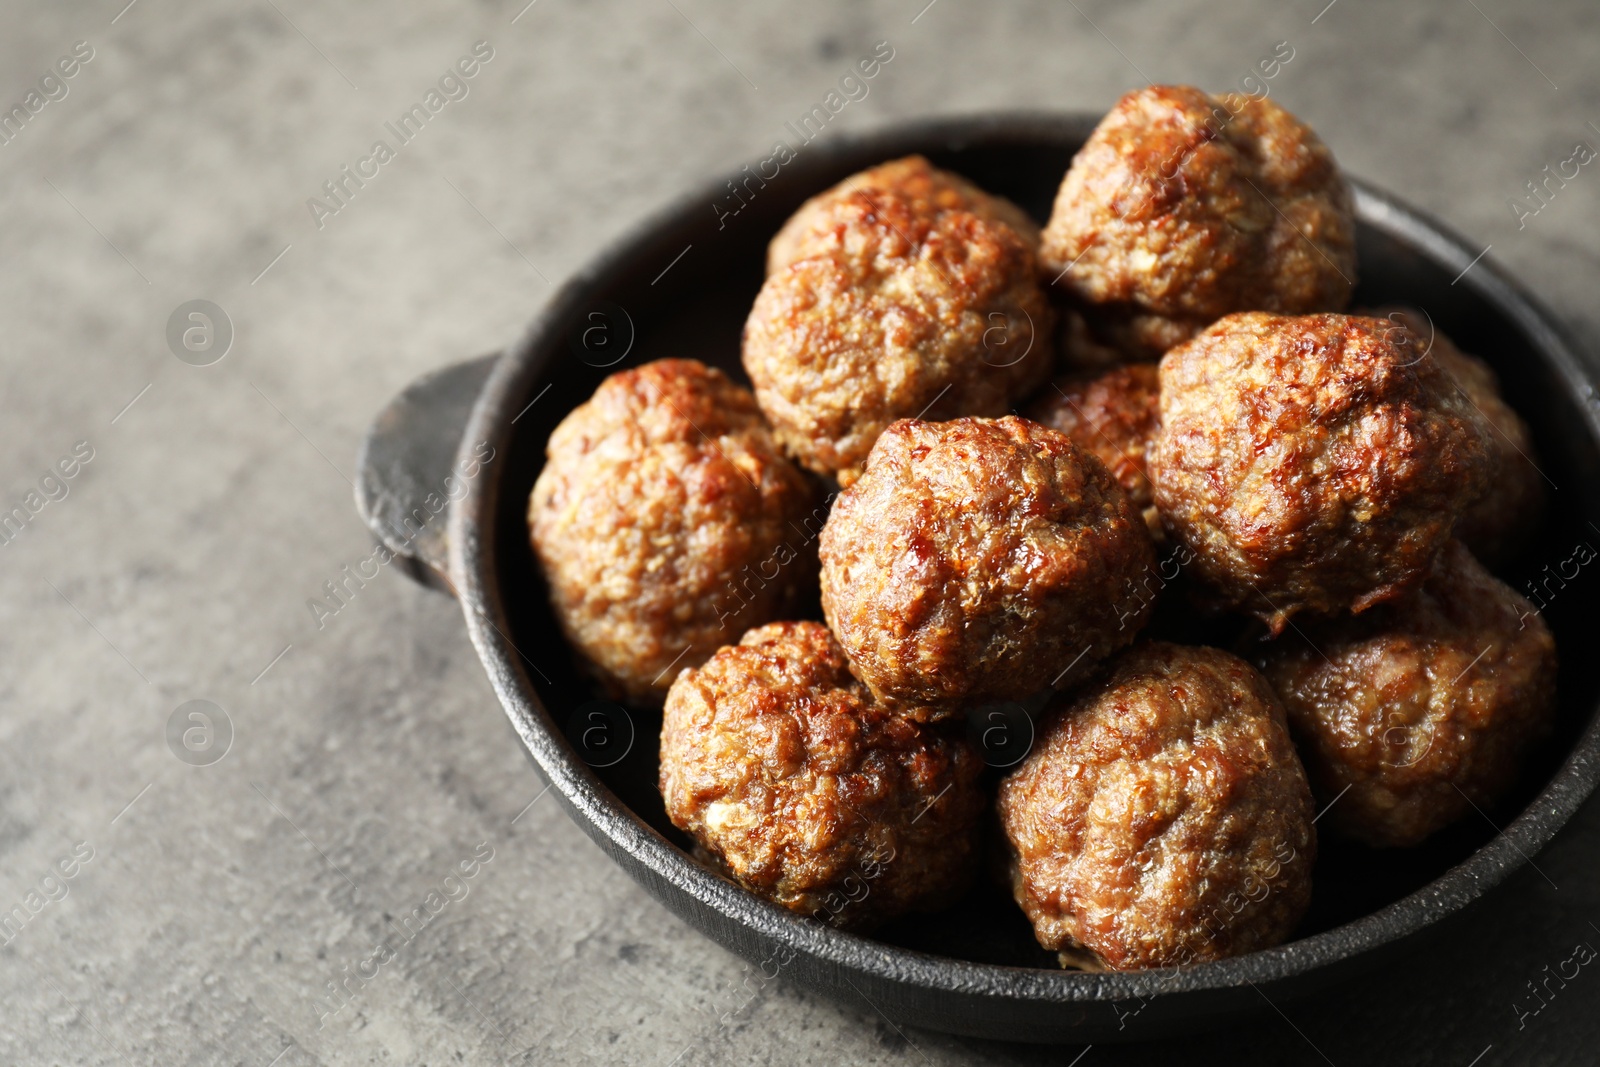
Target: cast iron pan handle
pixel 406 458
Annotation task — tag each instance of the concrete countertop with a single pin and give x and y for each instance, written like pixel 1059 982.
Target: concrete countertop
pixel 210 904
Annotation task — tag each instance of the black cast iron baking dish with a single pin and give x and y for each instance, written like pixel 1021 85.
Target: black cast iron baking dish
pixel 681 285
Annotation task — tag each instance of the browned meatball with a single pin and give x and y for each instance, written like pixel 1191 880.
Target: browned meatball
pixel 1162 817
pixel 1500 522
pixel 980 560
pixel 849 216
pixel 1420 708
pixel 1312 463
pixel 1183 207
pixel 662 522
pixel 808 792
pixel 1113 415
pixel 914 299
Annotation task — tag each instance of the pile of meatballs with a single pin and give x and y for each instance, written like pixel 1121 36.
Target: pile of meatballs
pixel 992 455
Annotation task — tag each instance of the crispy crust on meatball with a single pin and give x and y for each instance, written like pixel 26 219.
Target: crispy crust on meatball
pixel 980 560
pixel 1421 708
pixel 662 522
pixel 808 792
pixel 1183 207
pixel 1112 415
pixel 1162 817
pixel 1500 522
pixel 848 216
pixel 907 305
pixel 1313 463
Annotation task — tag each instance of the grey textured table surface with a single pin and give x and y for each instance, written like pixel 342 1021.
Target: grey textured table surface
pixel 370 759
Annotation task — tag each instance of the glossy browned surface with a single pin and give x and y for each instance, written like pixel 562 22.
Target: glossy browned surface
pixel 1499 522
pixel 914 299
pixel 662 523
pixel 1421 708
pixel 1163 817
pixel 1112 415
pixel 810 793
pixel 1312 463
pixel 978 560
pixel 1183 207
pixel 846 217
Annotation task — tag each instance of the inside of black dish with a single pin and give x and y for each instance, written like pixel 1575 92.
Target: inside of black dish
pixel 685 292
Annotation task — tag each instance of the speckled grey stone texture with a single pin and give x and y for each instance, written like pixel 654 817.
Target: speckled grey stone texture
pixel 370 760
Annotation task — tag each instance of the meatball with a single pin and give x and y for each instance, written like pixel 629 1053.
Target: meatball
pixel 1419 709
pixel 662 522
pixel 811 794
pixel 1112 415
pixel 978 561
pixel 1312 463
pixel 849 216
pixel 913 299
pixel 1183 207
pixel 1500 522
pixel 1162 817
